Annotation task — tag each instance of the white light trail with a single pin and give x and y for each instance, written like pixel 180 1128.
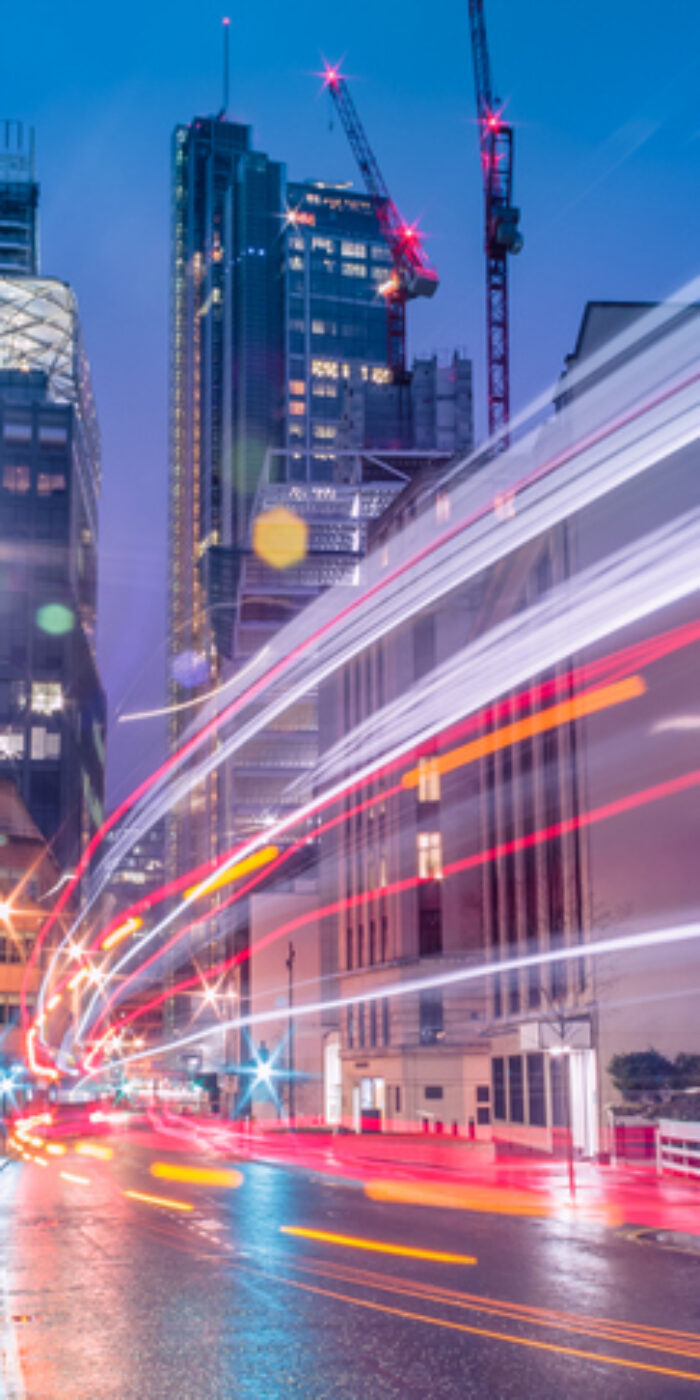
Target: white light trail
pixel 598 947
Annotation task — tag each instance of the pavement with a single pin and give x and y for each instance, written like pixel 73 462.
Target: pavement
pixel 133 1275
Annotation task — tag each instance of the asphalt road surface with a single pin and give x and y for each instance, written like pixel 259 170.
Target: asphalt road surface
pixel 109 1296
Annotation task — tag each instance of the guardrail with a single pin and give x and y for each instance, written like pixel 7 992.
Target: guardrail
pixel 678 1148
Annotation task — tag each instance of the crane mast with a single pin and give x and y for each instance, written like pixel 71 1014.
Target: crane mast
pixel 502 235
pixel 412 275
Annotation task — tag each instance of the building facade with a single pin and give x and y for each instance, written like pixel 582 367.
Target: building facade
pixel 52 707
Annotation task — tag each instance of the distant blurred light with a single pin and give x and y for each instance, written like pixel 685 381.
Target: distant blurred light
pixel 56 619
pixel 190 668
pixel 280 538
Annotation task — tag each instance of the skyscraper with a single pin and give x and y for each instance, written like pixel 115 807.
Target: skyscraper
pixel 19 198
pixel 52 707
pixel 337 259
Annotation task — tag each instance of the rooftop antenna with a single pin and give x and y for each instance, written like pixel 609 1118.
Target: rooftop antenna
pixel 226 25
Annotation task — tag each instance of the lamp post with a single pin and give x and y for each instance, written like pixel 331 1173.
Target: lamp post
pixel 289 964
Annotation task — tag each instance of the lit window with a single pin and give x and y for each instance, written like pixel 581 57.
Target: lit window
pixel 49 482
pixel 297 386
pixel 381 375
pixel 442 506
pixel 429 844
pixel 345 371
pixel 324 369
pixel 353 250
pixel 325 391
pixel 296 264
pixel 365 373
pixel 11 743
pixel 318 328
pixel 324 430
pixel 17 431
pixel 428 780
pixel 297 408
pixel 353 269
pixel 297 244
pixel 296 430
pixel 47 697
pixel 45 744
pixel 322 245
pixel 16 479
pixel 380 253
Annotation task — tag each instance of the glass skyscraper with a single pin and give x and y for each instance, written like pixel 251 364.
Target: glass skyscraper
pixel 19 199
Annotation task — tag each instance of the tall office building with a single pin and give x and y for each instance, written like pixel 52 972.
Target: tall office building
pixel 19 198
pixel 336 261
pixel 52 707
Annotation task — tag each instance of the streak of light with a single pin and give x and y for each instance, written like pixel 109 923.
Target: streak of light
pixel 197 699
pixel 609 810
pixel 80 976
pixel 232 872
pixel 123 931
pixel 54 1001
pixel 197 1176
pixel 163 1201
pixel 598 1358
pixel 56 1149
pixel 491 1200
pixel 671 568
pixel 94 1149
pixel 73 1176
pixel 589 703
pixel 633 463
pixel 404 1251
pixel 40 1161
pixel 627 943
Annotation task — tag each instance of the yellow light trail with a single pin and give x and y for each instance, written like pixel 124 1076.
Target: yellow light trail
pixel 233 872
pixel 591 702
pixel 491 1200
pixel 197 1176
pixel 130 926
pixel 53 1003
pixel 405 1251
pixel 158 1201
pixel 599 1358
pixel 94 1149
pixel 56 1149
pixel 77 978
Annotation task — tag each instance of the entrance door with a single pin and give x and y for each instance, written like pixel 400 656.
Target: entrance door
pixel 584 1116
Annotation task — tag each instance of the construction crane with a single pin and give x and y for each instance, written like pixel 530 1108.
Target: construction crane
pixel 502 234
pixel 412 275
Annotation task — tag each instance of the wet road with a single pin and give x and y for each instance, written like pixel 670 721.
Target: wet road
pixel 108 1296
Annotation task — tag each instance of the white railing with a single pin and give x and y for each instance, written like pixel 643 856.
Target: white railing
pixel 678 1148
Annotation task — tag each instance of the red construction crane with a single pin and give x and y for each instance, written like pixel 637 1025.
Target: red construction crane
pixel 412 275
pixel 502 235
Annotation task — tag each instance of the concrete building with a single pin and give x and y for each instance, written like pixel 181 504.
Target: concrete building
pixel 52 707
pixel 580 829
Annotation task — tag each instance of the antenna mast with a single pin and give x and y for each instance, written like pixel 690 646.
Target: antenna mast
pixel 226 25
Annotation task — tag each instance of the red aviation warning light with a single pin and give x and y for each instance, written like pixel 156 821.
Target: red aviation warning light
pixel 412 275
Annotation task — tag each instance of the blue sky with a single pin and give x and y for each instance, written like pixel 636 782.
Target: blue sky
pixel 604 98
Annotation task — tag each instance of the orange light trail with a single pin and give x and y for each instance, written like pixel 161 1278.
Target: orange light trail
pixel 94 1149
pixel 591 702
pixel 123 931
pixel 233 872
pixel 403 1251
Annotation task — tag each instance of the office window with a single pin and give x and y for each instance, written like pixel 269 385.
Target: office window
pixel 384 938
pixel 386 1037
pixel 430 1015
pixel 17 430
pixel 537 1106
pixel 428 780
pixel 361 1025
pixel 322 245
pixel 373 1024
pixel 47 697
pixel 44 743
pixel 352 250
pixel 16 479
pixel 353 269
pixel 348 949
pixel 52 435
pixel 50 483
pixel 429 853
pixel 372 942
pixel 360 946
pixel 297 408
pixel 433 1091
pixel 498 1079
pixel 424 645
pixel 429 932
pixel 516 1101
pixel 11 743
pixel 351 1027
pixel 297 386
